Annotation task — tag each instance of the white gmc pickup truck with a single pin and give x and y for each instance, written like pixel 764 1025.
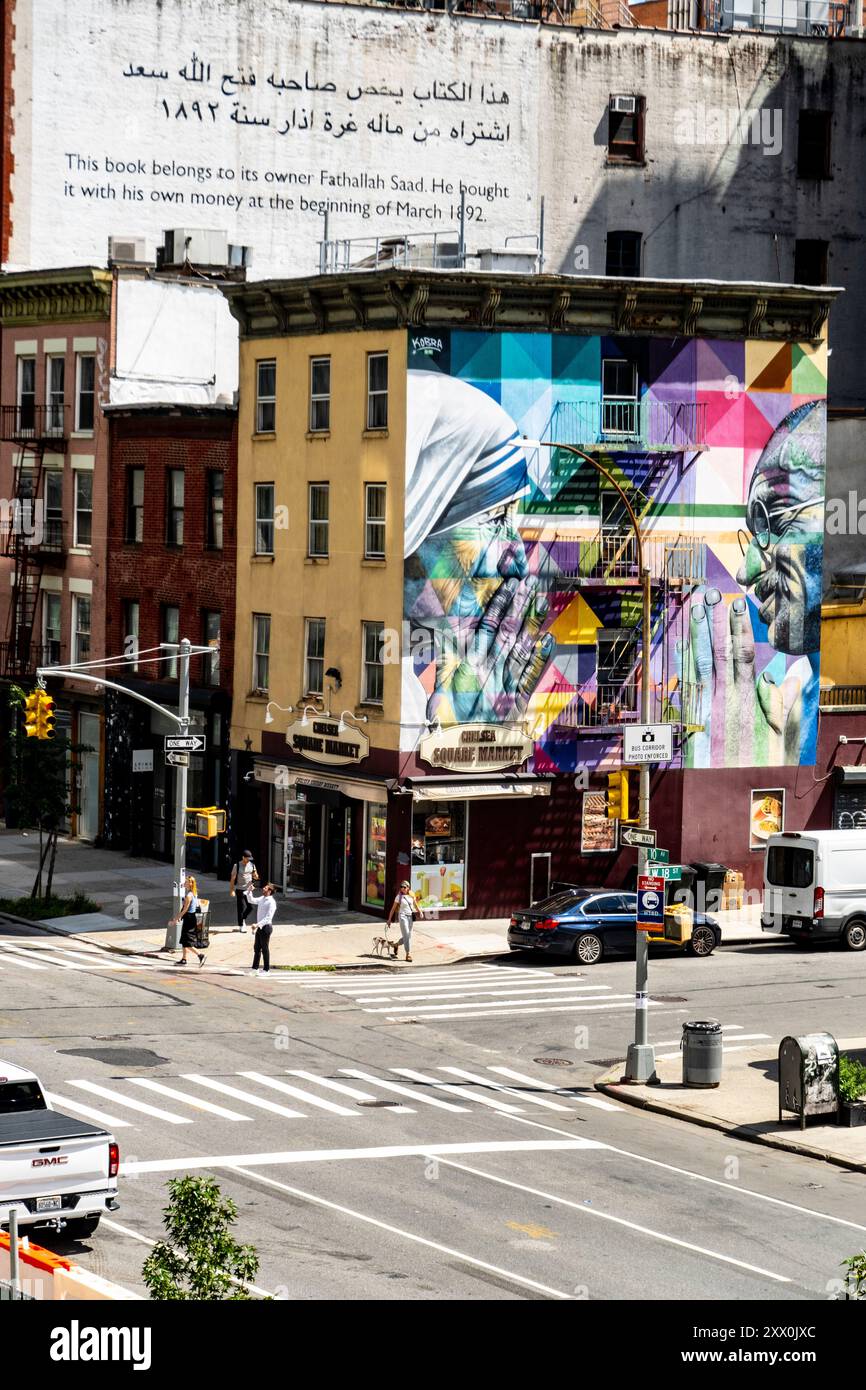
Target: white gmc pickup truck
pixel 57 1171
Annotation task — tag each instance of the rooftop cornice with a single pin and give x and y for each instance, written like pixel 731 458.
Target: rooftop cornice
pixel 525 303
pixel 77 294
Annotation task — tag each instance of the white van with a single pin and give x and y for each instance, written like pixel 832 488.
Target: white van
pixel 815 886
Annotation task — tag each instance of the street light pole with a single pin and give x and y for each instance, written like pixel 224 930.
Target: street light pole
pixel 172 933
pixel 640 1061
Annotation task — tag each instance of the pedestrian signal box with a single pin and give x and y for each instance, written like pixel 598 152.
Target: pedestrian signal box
pixel 205 822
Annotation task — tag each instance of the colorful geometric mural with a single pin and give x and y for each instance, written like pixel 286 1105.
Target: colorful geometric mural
pixel 522 587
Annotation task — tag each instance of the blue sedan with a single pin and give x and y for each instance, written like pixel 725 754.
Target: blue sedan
pixel 590 923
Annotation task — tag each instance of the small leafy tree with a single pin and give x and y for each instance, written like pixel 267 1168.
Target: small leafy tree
pixel 200 1260
pixel 855 1279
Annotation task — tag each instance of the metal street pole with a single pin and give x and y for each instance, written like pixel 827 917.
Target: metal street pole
pixel 172 933
pixel 13 1252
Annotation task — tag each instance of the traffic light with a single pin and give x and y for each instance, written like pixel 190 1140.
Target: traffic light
pixel 31 714
pixel 45 716
pixel 617 796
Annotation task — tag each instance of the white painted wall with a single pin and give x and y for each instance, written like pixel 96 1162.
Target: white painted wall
pixel 177 343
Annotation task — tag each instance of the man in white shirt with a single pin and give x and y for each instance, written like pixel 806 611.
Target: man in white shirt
pixel 265 906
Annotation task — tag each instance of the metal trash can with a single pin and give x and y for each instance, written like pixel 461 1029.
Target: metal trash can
pixel 682 890
pixel 709 885
pixel 809 1076
pixel 701 1046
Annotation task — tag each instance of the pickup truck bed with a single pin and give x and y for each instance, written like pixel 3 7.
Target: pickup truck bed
pixel 32 1126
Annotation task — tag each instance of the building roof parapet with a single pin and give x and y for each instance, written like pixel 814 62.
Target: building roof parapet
pixel 73 294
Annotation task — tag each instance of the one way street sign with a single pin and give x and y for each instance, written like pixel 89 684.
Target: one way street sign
pixel 632 836
pixel 184 743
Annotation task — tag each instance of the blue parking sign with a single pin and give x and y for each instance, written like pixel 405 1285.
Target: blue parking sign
pixel 650 902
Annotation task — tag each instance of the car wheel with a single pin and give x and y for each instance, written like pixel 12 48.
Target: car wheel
pixel 703 942
pixel 82 1229
pixel 589 949
pixel 855 936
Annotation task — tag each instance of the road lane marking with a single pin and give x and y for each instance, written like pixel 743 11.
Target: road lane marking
pixel 89 1114
pixel 416 1239
pixel 672 1056
pixel 237 1094
pixel 12 959
pixel 621 1221
pixel 459 1091
pixel 119 1099
pixel 265 1160
pixel 196 1102
pixel 395 1016
pixel 515 1003
pixel 388 977
pixel 593 1101
pixel 352 1091
pixel 508 1090
pixel 403 1090
pixel 298 1094
pixel 516 992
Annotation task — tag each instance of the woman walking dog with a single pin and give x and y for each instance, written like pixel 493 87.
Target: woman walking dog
pixel 407 911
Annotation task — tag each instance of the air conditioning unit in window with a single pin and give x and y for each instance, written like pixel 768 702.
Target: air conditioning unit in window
pixel 240 256
pixel 626 106
pixel 127 249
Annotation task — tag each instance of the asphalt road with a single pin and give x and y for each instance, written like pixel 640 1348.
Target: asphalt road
pixel 420 1134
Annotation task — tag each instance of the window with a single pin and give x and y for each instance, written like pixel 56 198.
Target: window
pixel 266 397
pixel 53 509
pixel 320 394
pixel 619 406
pixel 55 376
pixel 813 145
pixel 51 627
pixel 374 521
pixel 170 633
pixel 131 629
pixel 261 651
pixel 80 628
pixel 789 866
pixel 625 129
pixel 616 659
pixel 377 390
pixel 134 504
pixel 314 652
pixel 373 670
pixel 210 632
pixel 439 854
pixel 215 494
pixel 27 394
pixel 623 253
pixel 847 586
pixel 319 506
pixel 85 395
pixel 374 857
pixel 83 523
pixel 264 518
pixel 174 507
pixel 810 262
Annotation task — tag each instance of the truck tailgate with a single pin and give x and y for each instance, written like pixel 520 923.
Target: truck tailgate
pixel 42 1151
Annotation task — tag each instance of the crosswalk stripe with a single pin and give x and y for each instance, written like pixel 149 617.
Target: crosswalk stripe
pixel 395 981
pixel 594 1101
pixel 57 959
pixel 403 1090
pixel 63 1103
pixel 348 1090
pixel 237 1094
pixel 297 1093
pixel 119 1099
pixel 459 1091
pixel 520 992
pixel 498 1086
pixel 13 959
pixel 516 1003
pixel 196 1103
pixel 395 1016
pixel 726 1028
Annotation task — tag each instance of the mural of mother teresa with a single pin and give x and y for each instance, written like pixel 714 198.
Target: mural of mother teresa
pixel 476 615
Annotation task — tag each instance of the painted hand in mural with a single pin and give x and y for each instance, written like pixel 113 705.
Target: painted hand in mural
pixel 745 720
pixel 480 616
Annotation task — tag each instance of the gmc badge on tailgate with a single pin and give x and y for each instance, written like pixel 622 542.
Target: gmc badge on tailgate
pixel 49 1162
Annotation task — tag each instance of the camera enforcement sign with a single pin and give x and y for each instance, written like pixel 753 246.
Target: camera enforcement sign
pixel 647 743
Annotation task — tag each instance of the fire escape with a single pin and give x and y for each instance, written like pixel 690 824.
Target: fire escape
pixel 29 536
pixel 645 443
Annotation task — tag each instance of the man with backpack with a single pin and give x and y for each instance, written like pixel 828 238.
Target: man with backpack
pixel 244 874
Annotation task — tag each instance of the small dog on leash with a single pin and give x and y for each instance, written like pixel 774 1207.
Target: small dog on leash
pixel 382 945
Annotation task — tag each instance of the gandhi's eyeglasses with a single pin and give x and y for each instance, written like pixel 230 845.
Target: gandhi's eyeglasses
pixel 763 526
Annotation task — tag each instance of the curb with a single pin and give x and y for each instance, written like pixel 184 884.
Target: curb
pixel 803 1150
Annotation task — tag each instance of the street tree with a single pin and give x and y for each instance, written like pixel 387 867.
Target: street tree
pixel 200 1259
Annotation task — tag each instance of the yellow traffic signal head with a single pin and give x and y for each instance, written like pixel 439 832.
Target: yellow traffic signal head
pixel 617 796
pixel 45 716
pixel 31 714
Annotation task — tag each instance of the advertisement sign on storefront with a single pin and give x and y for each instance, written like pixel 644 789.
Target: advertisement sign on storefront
pixel 476 747
pixel 327 741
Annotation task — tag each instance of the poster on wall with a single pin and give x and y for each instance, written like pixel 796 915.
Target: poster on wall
pixel 598 835
pixel 439 885
pixel 766 815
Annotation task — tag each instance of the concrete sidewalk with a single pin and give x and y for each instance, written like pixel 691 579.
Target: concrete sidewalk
pixel 746 1103
pixel 135 904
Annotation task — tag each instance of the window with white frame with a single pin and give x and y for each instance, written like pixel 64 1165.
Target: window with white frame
pixel 55 378
pixel 320 394
pixel 372 667
pixel 85 393
pixel 261 651
pixel 80 628
pixel 83 507
pixel 619 397
pixel 170 633
pixel 27 395
pixel 314 656
pixel 374 521
pixel 131 622
pixel 215 508
pixel 53 509
pixel 377 390
pixel 266 397
pixel 264 518
pixel 319 509
pixel 51 629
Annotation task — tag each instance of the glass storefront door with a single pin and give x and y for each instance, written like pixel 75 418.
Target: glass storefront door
pixel 296 838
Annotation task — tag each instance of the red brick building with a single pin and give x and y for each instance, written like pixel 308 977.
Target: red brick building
pixel 170 574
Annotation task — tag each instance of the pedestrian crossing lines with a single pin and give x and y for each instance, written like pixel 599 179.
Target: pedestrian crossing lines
pixel 127 1102
pixel 476 991
pixel 69 956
